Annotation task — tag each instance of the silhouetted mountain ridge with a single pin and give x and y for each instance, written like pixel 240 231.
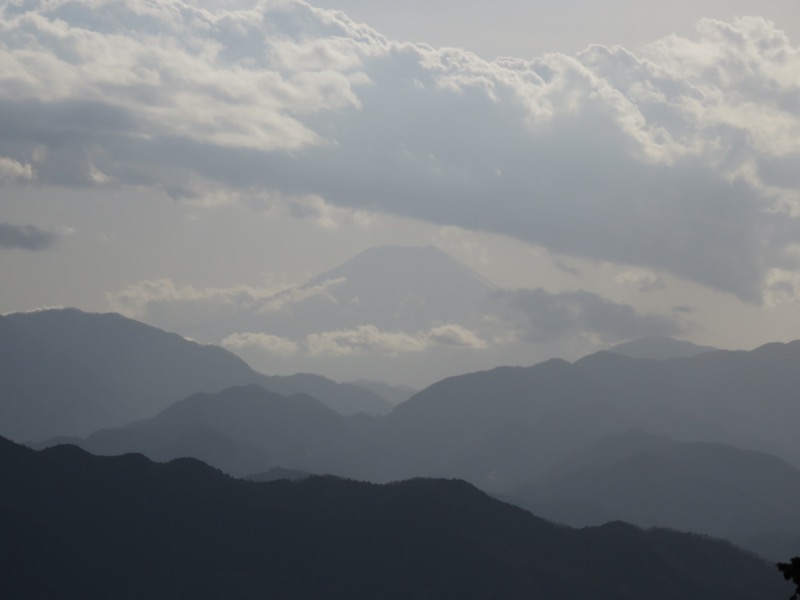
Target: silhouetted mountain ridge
pixel 78 526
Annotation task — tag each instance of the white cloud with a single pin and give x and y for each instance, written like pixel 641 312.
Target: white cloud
pixel 363 339
pixel 271 344
pixel 173 70
pixel 455 335
pixel 360 340
pixel 135 299
pixel 368 338
pixel 678 159
pixel 11 170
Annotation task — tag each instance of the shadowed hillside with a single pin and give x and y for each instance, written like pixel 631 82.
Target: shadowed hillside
pixel 245 430
pixel 709 488
pixel 67 372
pixel 78 526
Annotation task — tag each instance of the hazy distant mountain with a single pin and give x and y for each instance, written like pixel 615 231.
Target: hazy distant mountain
pixel 660 348
pixel 65 372
pixel 394 394
pixel 344 398
pixel 245 430
pixel 500 428
pixel 750 397
pixel 504 427
pixel 390 287
pixel 78 526
pixel 68 372
pixel 409 313
pixel 653 481
pixel 44 392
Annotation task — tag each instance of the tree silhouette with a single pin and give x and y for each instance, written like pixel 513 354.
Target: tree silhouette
pixel 791 572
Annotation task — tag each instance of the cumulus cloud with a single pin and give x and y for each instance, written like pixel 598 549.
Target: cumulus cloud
pixel 369 338
pixel 679 159
pixel 208 314
pixel 11 170
pixel 538 316
pixel 455 335
pixel 135 299
pixel 263 324
pixel 366 338
pixel 271 344
pixel 25 237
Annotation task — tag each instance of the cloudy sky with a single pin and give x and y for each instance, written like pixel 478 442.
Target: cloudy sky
pixel 617 172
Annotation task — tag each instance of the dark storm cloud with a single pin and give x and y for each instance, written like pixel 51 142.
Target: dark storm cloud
pixel 25 237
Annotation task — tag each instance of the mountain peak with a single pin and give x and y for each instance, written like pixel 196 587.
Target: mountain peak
pixel 391 288
pixel 383 262
pixel 656 347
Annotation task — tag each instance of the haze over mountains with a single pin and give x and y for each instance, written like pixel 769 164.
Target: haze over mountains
pixel 386 313
pixel 502 429
pixel 652 480
pixel 246 430
pixel 416 293
pixel 66 372
pixel 402 314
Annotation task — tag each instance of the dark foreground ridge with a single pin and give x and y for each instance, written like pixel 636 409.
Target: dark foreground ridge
pixel 73 525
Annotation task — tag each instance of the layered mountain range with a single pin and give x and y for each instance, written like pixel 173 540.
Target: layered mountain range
pixel 652 481
pixel 516 431
pixel 67 372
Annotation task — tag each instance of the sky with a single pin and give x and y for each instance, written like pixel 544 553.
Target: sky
pixel 617 170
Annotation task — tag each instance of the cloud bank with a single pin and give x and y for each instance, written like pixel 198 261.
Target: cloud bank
pixel 681 159
pixel 537 316
pixel 249 319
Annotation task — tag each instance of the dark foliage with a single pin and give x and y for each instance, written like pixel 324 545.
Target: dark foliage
pixel 791 572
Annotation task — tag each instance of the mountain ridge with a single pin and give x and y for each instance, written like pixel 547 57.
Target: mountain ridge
pixel 76 525
pixel 660 348
pixel 66 372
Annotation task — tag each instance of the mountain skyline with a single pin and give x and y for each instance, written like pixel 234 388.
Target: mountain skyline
pixel 620 174
pixel 77 525
pixel 65 372
pixel 715 429
pixel 355 271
